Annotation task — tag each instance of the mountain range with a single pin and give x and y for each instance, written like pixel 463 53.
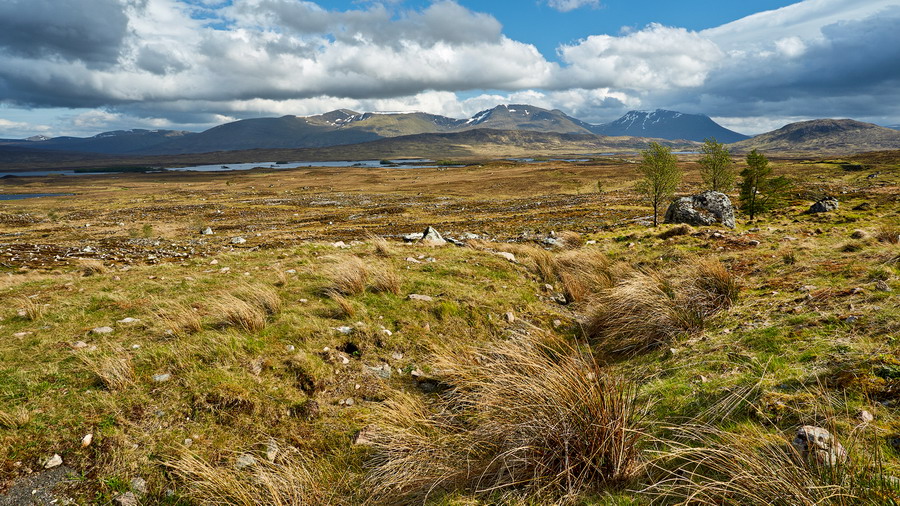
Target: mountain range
pixel 344 127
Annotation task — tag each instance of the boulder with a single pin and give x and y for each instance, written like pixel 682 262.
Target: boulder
pixel 825 205
pixel 703 209
pixel 817 445
pixel 432 236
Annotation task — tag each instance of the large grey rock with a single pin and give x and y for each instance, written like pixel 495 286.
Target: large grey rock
pixel 817 445
pixel 432 236
pixel 705 208
pixel 825 205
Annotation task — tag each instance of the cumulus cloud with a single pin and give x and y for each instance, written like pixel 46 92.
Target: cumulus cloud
pixel 571 5
pixel 172 62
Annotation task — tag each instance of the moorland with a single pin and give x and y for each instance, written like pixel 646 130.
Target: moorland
pixel 561 350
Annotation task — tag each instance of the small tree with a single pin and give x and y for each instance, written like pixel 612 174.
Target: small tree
pixel 759 191
pixel 661 176
pixel 716 167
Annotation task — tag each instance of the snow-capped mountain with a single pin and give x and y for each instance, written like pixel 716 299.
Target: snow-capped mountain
pixel 665 124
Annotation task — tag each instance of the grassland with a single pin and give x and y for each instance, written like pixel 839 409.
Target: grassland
pixel 295 369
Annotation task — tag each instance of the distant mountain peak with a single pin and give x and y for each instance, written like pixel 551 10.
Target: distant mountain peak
pixel 825 135
pixel 38 138
pixel 666 124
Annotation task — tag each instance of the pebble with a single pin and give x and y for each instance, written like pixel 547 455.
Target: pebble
pixel 161 378
pixel 238 240
pixel 139 485
pixel 507 255
pixel 423 298
pixel 86 440
pixel 22 334
pixel 866 417
pixel 126 499
pixel 244 461
pixel 510 317
pixel 53 461
pixel 397 355
pixel 412 260
pixel 79 345
pixel 344 329
pixel 271 451
pixel 128 320
pixel 289 348
pixel 102 330
pixel 188 442
pixel 882 286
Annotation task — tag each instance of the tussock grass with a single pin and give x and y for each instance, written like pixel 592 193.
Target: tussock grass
pixel 531 415
pixel 715 286
pixel 583 273
pixel 645 311
pixel 90 266
pixel 707 465
pixel 114 371
pixel 888 232
pixel 32 310
pixel 240 313
pixel 383 247
pixel 350 276
pixel 569 239
pixel 262 296
pixel 15 419
pixel 675 231
pixel 346 308
pixel 386 279
pixel 291 480
pixel 179 320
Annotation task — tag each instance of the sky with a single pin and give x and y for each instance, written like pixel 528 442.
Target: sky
pixel 82 67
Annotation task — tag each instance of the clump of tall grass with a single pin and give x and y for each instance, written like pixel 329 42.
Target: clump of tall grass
pixel 90 266
pixel 115 371
pixel 382 246
pixel 349 277
pixel 346 308
pixel 583 273
pixel 386 279
pixel 240 313
pixel 179 320
pixel 569 239
pixel 531 415
pixel 675 231
pixel 291 479
pixel 888 232
pixel 31 310
pixel 645 310
pixel 264 297
pixel 707 465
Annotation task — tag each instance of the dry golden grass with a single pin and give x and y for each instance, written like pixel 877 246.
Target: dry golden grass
pixel 715 286
pixel 529 414
pixel 90 266
pixel 240 313
pixel 115 371
pixel 710 466
pixel 290 480
pixel 888 232
pixel 32 310
pixel 675 231
pixel 15 419
pixel 583 273
pixel 179 320
pixel 350 276
pixel 382 246
pixel 262 296
pixel 569 239
pixel 346 307
pixel 386 279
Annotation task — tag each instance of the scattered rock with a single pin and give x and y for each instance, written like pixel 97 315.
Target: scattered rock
pixel 507 255
pixel 271 450
pixel 882 286
pixel 423 298
pixel 341 245
pixel 865 206
pixel 753 242
pixel 53 461
pixel 79 345
pixel 824 205
pixel 128 320
pixel 412 260
pixel 344 329
pixel 162 378
pixel 431 236
pixel 397 355
pixel 859 234
pixel 383 371
pixel 238 240
pixel 557 324
pixel 866 416
pixel 415 237
pixel 363 437
pixel 86 440
pixel 22 334
pixel 816 444
pixel 206 231
pixel 126 499
pixel 244 461
pixel 139 485
pixel 510 317
pixel 102 330
pixel 705 208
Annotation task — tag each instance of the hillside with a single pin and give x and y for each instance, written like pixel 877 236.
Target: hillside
pixel 668 125
pixel 824 136
pixel 114 142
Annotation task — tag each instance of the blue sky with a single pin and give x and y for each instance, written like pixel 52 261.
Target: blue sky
pixel 80 68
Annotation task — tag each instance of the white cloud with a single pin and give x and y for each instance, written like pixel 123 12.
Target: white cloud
pixel 571 5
